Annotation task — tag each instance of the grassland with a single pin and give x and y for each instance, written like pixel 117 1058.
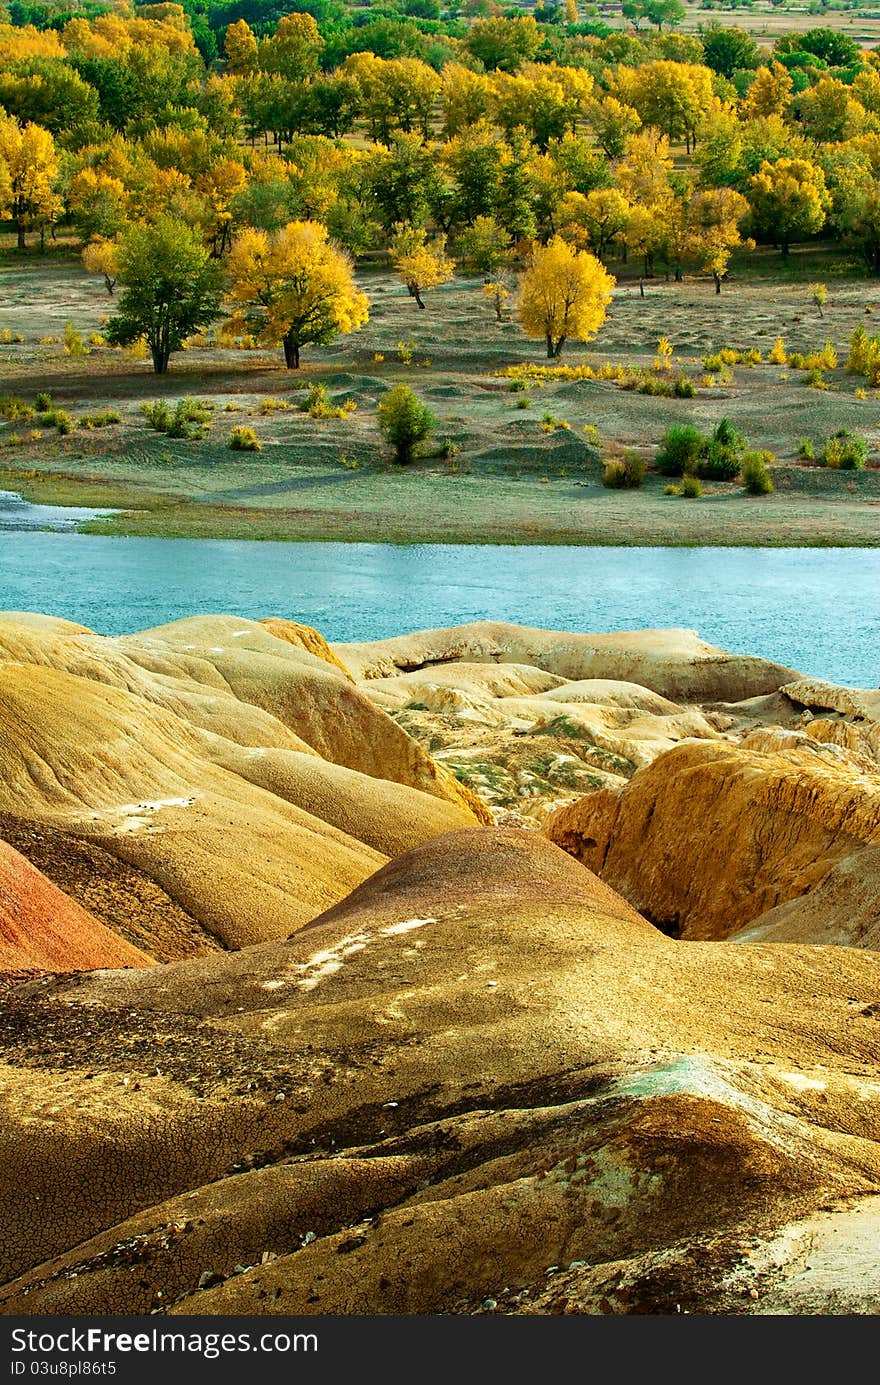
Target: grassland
pixel 496 472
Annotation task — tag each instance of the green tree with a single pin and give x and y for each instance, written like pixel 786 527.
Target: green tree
pixel 404 421
pixel 728 49
pixel 171 288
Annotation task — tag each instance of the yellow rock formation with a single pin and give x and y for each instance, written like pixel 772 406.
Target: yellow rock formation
pixel 712 835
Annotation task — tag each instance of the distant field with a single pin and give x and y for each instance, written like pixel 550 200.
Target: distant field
pixel 504 476
pixel 769 22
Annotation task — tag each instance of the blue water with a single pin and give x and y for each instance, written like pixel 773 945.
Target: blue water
pixel 817 610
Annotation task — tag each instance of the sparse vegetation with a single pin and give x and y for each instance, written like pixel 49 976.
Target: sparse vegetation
pixel 624 473
pixel 244 440
pixel 405 422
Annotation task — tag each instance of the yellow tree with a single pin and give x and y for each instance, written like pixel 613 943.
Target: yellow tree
pixel 420 264
pixel 294 288
pixel 789 199
pixel 564 294
pixel 220 185
pixel 97 203
pixel 594 221
pixel 30 165
pixel 715 218
pixel 101 256
pixel 465 98
pixel 240 46
pixel 769 94
pixel 643 178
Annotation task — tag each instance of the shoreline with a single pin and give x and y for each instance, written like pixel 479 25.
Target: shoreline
pixel 524 513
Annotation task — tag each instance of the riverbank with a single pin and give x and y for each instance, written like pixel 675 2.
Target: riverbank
pixel 512 460
pixel 326 504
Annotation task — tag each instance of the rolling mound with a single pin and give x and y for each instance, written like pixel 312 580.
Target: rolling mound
pixel 42 930
pixel 481 1069
pixel 248 779
pixel 677 664
pixel 445 1067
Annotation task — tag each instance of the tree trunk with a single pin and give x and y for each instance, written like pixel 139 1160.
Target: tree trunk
pixel 679 277
pixel 20 229
pixel 717 278
pixel 417 296
pixel 549 340
pixel 291 354
pixel 641 288
pixel 160 360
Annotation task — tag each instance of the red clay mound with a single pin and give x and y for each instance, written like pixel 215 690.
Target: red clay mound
pixel 41 929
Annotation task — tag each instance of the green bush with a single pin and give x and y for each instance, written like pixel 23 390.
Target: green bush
pixel 62 421
pixel 806 451
pixel 626 473
pixel 244 440
pixel 188 419
pixel 691 487
pixel 404 422
pixel 103 419
pixel 755 475
pixel 721 461
pixel 158 415
pixel 845 451
pixel 15 409
pixel 43 402
pixel 684 387
pixel 680 450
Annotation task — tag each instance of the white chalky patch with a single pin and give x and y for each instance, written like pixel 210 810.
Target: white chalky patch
pixel 329 960
pixel 803 1083
pixel 405 926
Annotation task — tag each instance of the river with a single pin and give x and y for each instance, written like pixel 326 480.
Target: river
pixel 817 610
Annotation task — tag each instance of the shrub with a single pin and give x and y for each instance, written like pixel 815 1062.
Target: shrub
pixel 721 461
pixel 270 405
pixel 158 415
pixel 627 473
pixel 672 490
pixel 523 402
pixel 806 451
pixel 663 359
pixel 404 422
pixel 683 388
pixel 777 354
pixel 103 419
pixel 73 342
pixel 63 422
pixel 43 402
pixel 691 487
pixel 755 475
pixel 517 386
pixel 15 409
pixel 405 352
pixel 845 451
pixel 680 450
pixel 244 440
pixel 815 380
pixel 318 404
pixel 188 419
